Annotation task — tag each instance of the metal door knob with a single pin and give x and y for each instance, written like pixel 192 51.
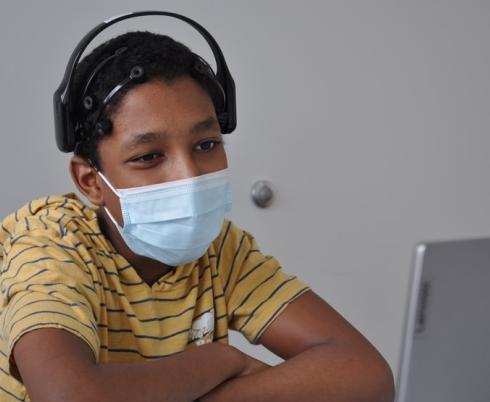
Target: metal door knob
pixel 262 194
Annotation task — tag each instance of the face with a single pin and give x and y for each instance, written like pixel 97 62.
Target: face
pixel 161 132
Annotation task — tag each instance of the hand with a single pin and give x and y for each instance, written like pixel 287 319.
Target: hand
pixel 251 365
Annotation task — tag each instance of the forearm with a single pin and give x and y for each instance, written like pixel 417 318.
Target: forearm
pixel 321 373
pixel 75 376
pixel 182 377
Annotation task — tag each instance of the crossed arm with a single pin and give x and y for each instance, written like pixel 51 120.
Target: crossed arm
pixel 326 359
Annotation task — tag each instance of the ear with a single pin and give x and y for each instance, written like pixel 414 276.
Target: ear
pixel 86 179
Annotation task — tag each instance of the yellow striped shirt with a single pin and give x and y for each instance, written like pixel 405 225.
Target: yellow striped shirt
pixel 60 271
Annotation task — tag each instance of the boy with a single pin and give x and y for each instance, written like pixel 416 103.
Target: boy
pixel 131 299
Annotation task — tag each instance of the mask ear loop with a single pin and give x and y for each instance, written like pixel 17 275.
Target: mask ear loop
pixel 103 178
pixel 111 217
pixel 118 227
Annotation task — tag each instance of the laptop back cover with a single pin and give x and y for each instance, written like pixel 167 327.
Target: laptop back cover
pixel 446 349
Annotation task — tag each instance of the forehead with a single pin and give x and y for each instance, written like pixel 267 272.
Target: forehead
pixel 160 105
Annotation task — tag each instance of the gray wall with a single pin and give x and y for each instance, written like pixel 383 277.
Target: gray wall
pixel 370 118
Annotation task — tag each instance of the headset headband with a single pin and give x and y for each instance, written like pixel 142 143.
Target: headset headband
pixel 64 104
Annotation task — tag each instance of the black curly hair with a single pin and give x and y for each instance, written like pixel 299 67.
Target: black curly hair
pixel 109 64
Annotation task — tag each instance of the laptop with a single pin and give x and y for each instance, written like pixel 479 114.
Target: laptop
pixel 445 354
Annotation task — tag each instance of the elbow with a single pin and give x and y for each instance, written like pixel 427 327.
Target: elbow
pixel 382 380
pixel 371 378
pixel 361 375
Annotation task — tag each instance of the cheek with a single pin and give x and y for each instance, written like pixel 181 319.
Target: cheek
pixel 211 162
pixel 220 161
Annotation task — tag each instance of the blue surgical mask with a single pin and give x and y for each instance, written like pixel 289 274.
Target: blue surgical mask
pixel 174 222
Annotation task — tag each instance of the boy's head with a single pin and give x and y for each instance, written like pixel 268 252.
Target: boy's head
pixel 160 128
pixel 104 75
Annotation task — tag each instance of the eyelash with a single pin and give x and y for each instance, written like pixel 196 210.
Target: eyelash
pixel 215 143
pixel 154 155
pixel 143 160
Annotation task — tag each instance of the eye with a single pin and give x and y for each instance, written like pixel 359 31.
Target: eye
pixel 151 157
pixel 208 145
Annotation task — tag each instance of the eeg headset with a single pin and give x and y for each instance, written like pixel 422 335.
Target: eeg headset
pixel 67 125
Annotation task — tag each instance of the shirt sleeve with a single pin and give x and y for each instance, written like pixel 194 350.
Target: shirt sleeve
pixel 256 288
pixel 45 285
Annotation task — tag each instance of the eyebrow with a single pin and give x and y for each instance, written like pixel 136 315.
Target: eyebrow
pixel 143 138
pixel 205 125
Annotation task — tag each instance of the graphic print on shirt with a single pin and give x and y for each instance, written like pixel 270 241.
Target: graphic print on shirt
pixel 202 330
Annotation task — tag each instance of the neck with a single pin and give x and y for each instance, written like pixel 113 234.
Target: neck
pixel 149 270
